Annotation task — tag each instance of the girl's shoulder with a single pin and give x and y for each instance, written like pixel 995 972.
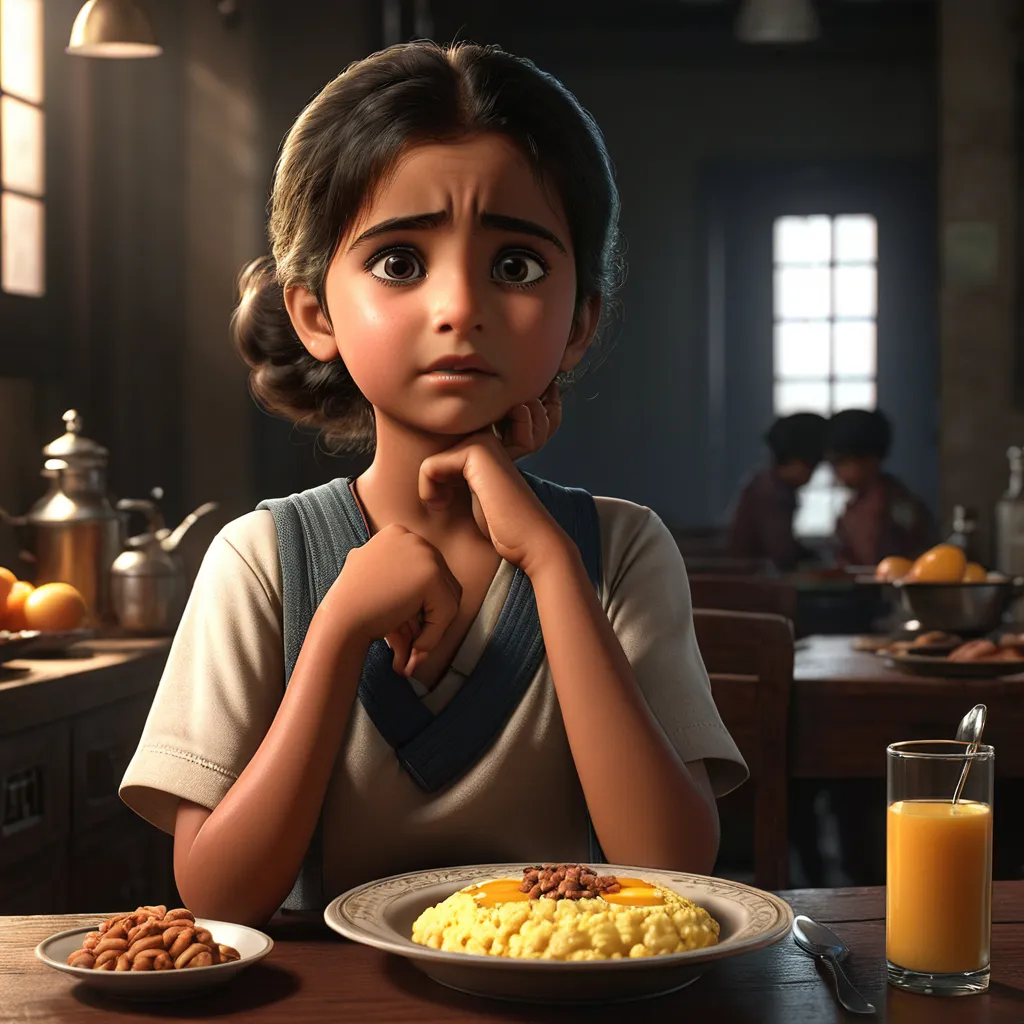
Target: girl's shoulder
pixel 630 531
pixel 253 538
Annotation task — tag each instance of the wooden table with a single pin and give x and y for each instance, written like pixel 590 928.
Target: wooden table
pixel 314 975
pixel 847 706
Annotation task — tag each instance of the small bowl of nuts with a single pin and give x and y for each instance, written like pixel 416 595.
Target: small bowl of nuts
pixel 153 953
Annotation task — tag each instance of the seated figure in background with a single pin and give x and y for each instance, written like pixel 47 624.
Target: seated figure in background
pixel 883 516
pixel 762 522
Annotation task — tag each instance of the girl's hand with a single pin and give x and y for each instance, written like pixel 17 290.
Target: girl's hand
pixel 396 586
pixel 504 506
pixel 527 428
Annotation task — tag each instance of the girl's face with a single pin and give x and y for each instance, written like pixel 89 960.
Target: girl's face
pixel 452 295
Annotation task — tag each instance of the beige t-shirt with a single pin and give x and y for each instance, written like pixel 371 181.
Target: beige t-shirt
pixel 522 801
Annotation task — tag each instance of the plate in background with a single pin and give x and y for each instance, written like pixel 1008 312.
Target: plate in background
pixel 34 643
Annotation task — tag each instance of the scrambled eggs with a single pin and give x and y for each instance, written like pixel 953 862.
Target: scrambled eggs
pixel 564 929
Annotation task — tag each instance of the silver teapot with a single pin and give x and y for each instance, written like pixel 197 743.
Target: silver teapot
pixel 148 582
pixel 72 533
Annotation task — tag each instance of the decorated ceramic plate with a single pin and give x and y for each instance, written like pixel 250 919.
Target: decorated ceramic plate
pixel 33 643
pixel 381 914
pixel 251 944
pixel 943 668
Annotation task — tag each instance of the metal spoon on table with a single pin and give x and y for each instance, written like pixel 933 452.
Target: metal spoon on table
pixel 971 728
pixel 823 943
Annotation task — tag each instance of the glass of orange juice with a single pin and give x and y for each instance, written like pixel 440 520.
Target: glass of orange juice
pixel 938 895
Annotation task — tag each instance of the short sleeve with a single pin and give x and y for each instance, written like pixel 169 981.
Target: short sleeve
pixel 648 605
pixel 223 681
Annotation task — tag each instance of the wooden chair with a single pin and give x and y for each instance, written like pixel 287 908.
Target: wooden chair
pixel 743 594
pixel 749 658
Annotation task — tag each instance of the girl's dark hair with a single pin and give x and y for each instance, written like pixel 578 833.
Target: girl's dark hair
pixel 341 148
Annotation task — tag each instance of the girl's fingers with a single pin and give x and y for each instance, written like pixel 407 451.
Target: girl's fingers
pixel 440 606
pixel 552 400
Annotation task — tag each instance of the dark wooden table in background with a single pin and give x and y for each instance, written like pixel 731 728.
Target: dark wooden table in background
pixel 847 706
pixel 313 975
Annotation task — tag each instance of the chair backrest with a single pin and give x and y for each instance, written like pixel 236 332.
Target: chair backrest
pixel 749 658
pixel 743 594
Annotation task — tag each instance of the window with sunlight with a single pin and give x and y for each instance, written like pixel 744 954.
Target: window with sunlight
pixel 22 149
pixel 825 321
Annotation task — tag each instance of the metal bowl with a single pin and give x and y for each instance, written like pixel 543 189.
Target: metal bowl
pixel 963 608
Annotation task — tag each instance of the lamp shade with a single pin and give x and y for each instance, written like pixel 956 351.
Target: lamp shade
pixel 112 28
pixel 777 21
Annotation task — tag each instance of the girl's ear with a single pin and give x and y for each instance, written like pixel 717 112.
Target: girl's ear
pixel 310 324
pixel 583 329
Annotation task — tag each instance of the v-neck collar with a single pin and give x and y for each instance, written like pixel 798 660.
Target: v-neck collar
pixel 436 749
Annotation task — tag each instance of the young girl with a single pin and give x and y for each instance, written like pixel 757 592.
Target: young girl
pixel 444 660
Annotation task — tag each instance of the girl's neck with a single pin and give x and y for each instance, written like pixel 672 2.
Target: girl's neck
pixel 389 489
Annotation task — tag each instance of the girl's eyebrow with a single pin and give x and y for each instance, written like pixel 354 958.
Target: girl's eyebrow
pixel 423 221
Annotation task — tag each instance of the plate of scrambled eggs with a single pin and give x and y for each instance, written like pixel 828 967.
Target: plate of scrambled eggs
pixel 560 932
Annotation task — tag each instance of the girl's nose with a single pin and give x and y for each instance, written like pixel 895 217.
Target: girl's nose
pixel 458 305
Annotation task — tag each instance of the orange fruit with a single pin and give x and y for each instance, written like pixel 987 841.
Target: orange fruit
pixel 892 568
pixel 14 615
pixel 54 606
pixel 974 573
pixel 7 580
pixel 944 563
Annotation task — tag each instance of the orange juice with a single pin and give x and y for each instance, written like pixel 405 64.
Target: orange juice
pixel 939 885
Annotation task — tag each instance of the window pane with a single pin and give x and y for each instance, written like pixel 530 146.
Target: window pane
pixel 21 48
pixel 815 515
pixel 853 395
pixel 855 348
pixel 802 396
pixel 22 270
pixel 21 146
pixel 856 239
pixel 803 240
pixel 802 349
pixel 821 503
pixel 856 294
pixel 802 293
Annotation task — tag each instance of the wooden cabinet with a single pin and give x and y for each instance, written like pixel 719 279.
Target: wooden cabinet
pixel 68 728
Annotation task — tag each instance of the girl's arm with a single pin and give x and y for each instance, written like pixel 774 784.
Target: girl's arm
pixel 646 807
pixel 241 862
pixel 238 863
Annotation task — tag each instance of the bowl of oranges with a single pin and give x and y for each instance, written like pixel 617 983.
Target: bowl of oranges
pixel 36 620
pixel 942 590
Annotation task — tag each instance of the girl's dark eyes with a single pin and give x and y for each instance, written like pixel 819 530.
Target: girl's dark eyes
pixel 519 268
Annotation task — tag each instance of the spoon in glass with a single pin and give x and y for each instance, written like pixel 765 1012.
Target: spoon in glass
pixel 971 728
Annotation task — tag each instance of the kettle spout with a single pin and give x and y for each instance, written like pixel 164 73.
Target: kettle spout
pixel 171 541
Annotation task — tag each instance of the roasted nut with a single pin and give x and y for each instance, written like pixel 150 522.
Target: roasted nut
pixel 203 935
pixel 191 955
pixel 148 927
pixel 228 953
pixel 107 965
pixel 108 956
pixel 181 914
pixel 81 958
pixel 90 940
pixel 146 942
pixel 104 944
pixel 124 963
pixel 180 940
pixel 163 962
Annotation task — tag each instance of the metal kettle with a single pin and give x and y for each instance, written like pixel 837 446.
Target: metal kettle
pixel 72 533
pixel 148 583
